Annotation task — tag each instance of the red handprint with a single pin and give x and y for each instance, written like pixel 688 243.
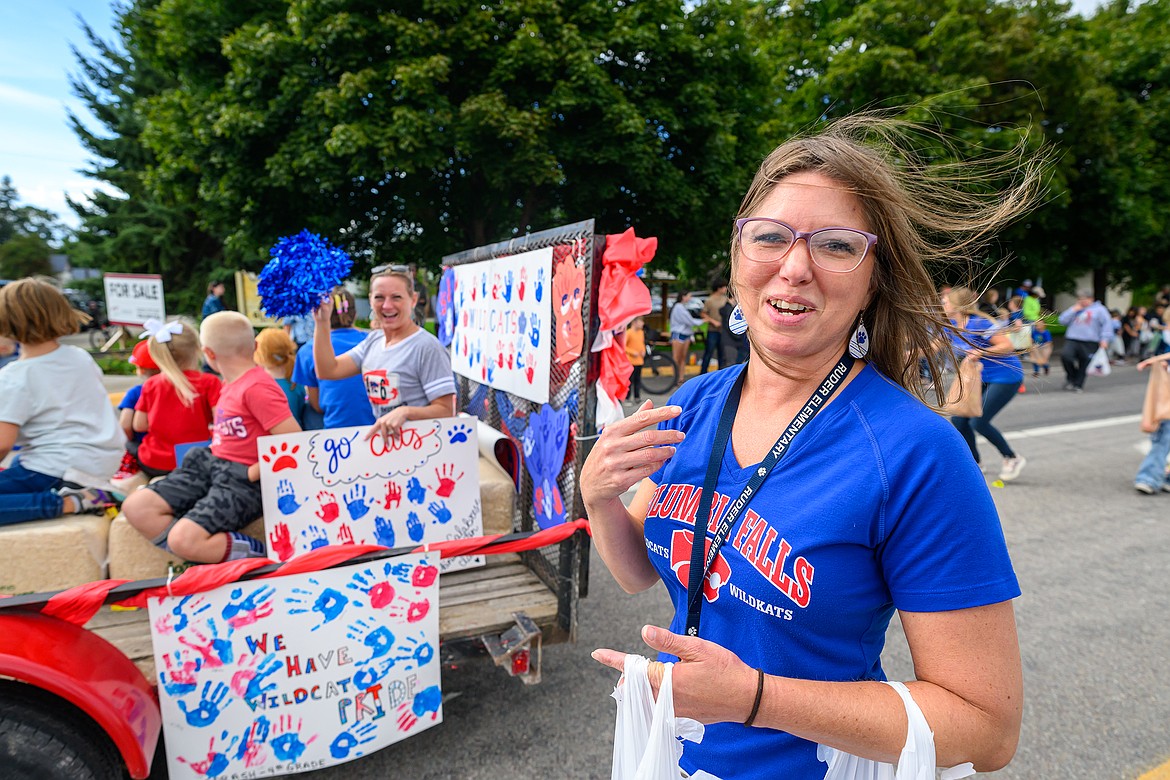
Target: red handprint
pixel 247 670
pixel 446 476
pixel 393 495
pixel 423 575
pixel 281 542
pixel 345 536
pixel 329 509
pixel 523 280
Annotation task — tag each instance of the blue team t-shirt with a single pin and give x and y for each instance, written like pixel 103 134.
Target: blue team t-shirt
pixel 1002 369
pixel 343 401
pixel 876 506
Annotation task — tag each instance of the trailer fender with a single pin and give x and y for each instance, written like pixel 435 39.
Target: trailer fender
pixel 90 673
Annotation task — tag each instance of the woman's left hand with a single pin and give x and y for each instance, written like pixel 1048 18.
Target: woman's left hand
pixel 710 683
pixel 389 424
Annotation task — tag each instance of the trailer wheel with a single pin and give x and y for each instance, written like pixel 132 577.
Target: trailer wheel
pixel 43 737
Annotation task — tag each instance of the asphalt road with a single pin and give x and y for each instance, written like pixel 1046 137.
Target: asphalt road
pixel 1091 555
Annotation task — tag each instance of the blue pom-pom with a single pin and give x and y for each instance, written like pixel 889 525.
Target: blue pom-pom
pixel 303 269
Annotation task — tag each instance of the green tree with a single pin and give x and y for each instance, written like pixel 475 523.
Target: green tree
pixel 415 130
pixel 17 220
pixel 24 255
pixel 133 228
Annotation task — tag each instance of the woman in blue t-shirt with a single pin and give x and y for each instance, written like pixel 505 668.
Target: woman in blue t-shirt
pixel 874 505
pixel 979 339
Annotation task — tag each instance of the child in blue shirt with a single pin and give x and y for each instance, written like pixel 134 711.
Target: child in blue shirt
pixel 1041 347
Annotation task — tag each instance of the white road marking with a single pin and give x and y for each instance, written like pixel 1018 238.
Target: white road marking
pixel 1087 425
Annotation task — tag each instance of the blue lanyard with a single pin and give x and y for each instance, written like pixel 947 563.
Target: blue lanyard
pixel 701 565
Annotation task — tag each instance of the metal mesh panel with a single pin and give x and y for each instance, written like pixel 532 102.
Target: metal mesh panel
pixel 563 567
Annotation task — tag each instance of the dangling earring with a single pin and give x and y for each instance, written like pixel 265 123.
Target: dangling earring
pixel 859 342
pixel 736 323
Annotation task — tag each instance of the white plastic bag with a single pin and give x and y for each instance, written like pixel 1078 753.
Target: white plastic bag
pixel 1099 365
pixel 915 763
pixel 646 738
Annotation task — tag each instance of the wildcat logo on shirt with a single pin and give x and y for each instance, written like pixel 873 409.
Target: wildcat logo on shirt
pixel 753 537
pixel 681 546
pixel 381 387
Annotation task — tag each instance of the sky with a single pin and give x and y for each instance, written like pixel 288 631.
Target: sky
pixel 37 149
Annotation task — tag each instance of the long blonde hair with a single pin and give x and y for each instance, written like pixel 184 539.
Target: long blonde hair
pixel 926 215
pixel 181 353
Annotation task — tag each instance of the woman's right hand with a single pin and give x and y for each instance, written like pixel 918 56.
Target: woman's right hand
pixel 323 312
pixel 628 451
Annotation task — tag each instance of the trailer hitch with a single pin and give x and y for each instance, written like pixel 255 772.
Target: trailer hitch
pixel 518 649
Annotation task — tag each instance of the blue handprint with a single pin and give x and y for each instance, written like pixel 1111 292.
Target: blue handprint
pixel 440 511
pixel 286 497
pixel 217 761
pixel 534 331
pixel 384 531
pixel 377 638
pixel 401 571
pixel 491 372
pixel 523 322
pixel 182 677
pixel 428 700
pixel 237 611
pixel 182 616
pixel 288 746
pixel 346 741
pixel 329 603
pixel 539 284
pixel 315 536
pixel 458 433
pixel 508 286
pixel 268 667
pixel 483 285
pixel 355 501
pixel 414 527
pixel 208 708
pixel 415 491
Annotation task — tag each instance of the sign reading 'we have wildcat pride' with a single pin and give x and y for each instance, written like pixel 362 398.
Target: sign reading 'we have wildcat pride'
pixel 337 487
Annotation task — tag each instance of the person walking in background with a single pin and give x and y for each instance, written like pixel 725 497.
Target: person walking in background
pixel 977 338
pixel 1151 477
pixel 1032 304
pixel 713 345
pixel 1089 326
pixel 636 352
pixel 989 304
pixel 682 333
pixel 1130 332
pixel 214 300
pixel 1041 351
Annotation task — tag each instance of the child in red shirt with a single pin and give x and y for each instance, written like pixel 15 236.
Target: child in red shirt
pixel 176 405
pixel 198 510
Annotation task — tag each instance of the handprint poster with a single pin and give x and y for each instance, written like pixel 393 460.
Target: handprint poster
pixel 503 323
pixel 335 486
pixel 289 674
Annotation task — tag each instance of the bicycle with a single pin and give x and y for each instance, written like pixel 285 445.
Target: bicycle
pixel 657 373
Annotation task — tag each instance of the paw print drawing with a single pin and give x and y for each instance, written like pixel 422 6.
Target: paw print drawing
pixel 355 502
pixel 458 434
pixel 329 509
pixel 286 498
pixel 283 458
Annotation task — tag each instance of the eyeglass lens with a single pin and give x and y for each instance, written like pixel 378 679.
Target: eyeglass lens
pixel 766 241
